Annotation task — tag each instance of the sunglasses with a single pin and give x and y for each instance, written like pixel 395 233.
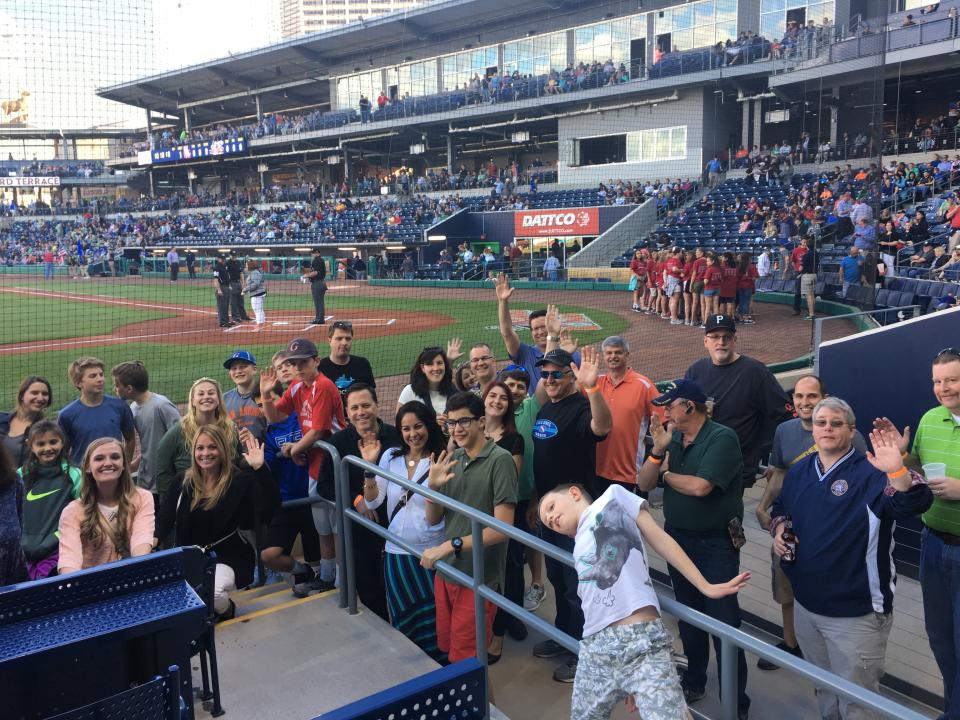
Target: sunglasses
pixel 515 368
pixel 948 351
pixel 342 325
pixel 832 423
pixel 553 374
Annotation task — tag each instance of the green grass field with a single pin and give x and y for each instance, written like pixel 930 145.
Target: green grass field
pixel 175 363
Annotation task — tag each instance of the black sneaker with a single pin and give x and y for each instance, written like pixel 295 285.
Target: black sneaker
pixel 692 695
pixel 567 672
pixel 549 649
pixel 765 664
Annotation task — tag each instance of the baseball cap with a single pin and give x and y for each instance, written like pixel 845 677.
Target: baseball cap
pixel 558 357
pixel 240 356
pixel 680 388
pixel 300 348
pixel 720 322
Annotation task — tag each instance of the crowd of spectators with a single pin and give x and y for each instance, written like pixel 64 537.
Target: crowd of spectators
pixel 52 168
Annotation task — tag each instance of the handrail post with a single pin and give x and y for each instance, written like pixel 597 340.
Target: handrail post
pixel 480 617
pixel 338 496
pixel 346 538
pixel 817 339
pixel 729 672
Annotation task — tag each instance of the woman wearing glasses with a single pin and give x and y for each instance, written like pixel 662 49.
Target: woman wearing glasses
pixel 500 426
pixel 410 597
pixel 431 381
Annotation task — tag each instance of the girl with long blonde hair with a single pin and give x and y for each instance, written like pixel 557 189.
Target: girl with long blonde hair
pixel 205 406
pixel 214 504
pixel 112 519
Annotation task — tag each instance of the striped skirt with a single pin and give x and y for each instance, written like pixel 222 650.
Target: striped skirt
pixel 410 600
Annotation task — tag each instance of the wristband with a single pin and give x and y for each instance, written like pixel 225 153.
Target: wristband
pixel 368 475
pixel 554 338
pixel 357 500
pixel 898 474
pixel 595 388
pixel 654 459
pixel 903 455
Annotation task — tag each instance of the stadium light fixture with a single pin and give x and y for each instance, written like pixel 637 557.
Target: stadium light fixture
pixel 436 238
pixel 223 250
pixel 261 250
pixel 418 149
pixel 346 249
pixel 301 249
pixel 396 247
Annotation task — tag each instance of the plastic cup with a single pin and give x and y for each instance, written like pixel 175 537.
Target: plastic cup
pixel 932 471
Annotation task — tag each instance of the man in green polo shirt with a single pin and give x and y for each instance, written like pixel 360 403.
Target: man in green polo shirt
pixel 937 440
pixel 701 466
pixel 482 475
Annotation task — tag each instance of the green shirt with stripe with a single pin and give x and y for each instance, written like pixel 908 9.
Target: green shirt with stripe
pixel 937 440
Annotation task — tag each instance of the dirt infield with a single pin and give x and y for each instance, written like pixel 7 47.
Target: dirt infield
pixel 198 326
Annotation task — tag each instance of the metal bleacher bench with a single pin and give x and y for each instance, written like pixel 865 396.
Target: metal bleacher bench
pixel 455 691
pixel 73 640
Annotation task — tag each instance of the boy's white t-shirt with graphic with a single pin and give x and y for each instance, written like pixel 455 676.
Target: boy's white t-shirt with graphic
pixel 611 562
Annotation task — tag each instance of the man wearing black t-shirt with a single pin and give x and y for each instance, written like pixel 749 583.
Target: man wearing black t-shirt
pixel 317 275
pixel 746 396
pixel 221 285
pixel 235 272
pixel 565 436
pixel 340 366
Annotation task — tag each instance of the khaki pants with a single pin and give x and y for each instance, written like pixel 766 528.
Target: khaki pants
pixel 851 647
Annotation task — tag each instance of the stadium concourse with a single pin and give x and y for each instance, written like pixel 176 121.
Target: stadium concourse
pixel 530 233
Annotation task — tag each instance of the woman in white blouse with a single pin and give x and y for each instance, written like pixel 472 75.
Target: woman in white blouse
pixel 431 381
pixel 410 598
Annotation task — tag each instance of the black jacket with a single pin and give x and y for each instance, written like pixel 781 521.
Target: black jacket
pixel 347 442
pixel 5 419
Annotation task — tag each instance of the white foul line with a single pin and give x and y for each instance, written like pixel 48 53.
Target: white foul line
pixel 104 299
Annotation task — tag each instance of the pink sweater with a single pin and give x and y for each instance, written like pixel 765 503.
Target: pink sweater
pixel 74 554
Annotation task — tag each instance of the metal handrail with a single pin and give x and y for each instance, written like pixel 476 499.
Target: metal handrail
pixel 730 638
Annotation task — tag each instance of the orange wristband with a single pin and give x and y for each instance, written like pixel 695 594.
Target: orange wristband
pixel 357 500
pixel 655 461
pixel 899 473
pixel 595 388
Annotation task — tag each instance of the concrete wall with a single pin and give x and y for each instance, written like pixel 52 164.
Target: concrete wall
pixel 721 123
pixel 688 110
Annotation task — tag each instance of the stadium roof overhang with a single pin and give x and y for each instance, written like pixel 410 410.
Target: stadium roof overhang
pixel 295 73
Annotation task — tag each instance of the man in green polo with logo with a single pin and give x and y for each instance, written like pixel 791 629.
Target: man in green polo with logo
pixel 936 450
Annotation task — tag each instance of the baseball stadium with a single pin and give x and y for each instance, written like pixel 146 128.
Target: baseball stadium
pixel 311 309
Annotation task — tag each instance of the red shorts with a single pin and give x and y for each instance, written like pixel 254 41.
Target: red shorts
pixel 456 627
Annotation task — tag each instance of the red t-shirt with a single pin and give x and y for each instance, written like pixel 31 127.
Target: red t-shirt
pixel 673 267
pixel 652 271
pixel 796 256
pixel 712 275
pixel 745 280
pixel 699 265
pixel 688 270
pixel 639 268
pixel 318 407
pixel 728 285
pixel 659 273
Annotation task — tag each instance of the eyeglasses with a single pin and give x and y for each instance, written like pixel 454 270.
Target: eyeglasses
pixel 482 358
pixel 553 374
pixel 342 325
pixel 463 422
pixel 515 368
pixel 948 351
pixel 832 423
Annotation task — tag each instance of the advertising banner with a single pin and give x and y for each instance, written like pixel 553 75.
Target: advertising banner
pixel 556 222
pixel 29 181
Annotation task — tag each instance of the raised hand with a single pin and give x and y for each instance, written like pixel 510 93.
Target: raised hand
pixel 554 321
pixel 254 453
pixel 586 374
pixel 501 286
pixel 268 378
pixel 885 424
pixel 661 434
pixel 441 470
pixel 370 448
pixel 453 348
pixel 568 342
pixel 886 455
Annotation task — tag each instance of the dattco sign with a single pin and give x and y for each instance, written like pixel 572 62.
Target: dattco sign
pixel 556 222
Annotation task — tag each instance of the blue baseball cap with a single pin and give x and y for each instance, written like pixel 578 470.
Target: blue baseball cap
pixel 681 389
pixel 240 356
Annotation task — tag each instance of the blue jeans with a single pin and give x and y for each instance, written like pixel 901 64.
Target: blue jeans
pixel 47 271
pixel 743 301
pixel 940 585
pixel 714 555
pixel 565 582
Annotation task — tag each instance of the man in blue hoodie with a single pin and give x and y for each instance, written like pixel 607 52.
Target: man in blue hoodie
pixel 287 523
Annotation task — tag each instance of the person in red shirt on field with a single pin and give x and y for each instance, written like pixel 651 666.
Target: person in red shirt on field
pixel 688 309
pixel 712 278
pixel 673 284
pixel 728 285
pixel 653 282
pixel 319 408
pixel 796 264
pixel 638 266
pixel 746 285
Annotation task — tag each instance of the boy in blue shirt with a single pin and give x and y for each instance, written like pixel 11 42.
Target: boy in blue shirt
pixel 626 653
pixel 289 522
pixel 94 415
pixel 851 269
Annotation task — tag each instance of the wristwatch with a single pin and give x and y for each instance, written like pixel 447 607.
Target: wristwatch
pixel 457 544
pixel 553 338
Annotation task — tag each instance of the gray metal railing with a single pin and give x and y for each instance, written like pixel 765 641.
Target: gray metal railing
pixel 730 638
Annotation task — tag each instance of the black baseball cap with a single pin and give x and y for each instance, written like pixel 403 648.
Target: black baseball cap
pixel 558 357
pixel 300 349
pixel 680 389
pixel 720 322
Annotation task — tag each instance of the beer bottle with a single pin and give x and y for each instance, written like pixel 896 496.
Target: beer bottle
pixel 789 540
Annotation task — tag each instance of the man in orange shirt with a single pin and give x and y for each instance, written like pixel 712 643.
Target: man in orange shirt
pixel 629 396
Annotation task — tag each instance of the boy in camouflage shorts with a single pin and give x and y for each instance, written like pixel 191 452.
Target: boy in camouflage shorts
pixel 626 653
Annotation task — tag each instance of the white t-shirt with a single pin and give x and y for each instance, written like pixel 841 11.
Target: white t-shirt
pixel 438 401
pixel 611 561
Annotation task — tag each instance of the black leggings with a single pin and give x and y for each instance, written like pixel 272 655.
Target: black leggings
pixel 513 573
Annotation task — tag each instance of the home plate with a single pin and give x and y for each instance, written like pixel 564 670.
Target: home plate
pixel 280 322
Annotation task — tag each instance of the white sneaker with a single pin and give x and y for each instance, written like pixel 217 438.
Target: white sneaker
pixel 533 597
